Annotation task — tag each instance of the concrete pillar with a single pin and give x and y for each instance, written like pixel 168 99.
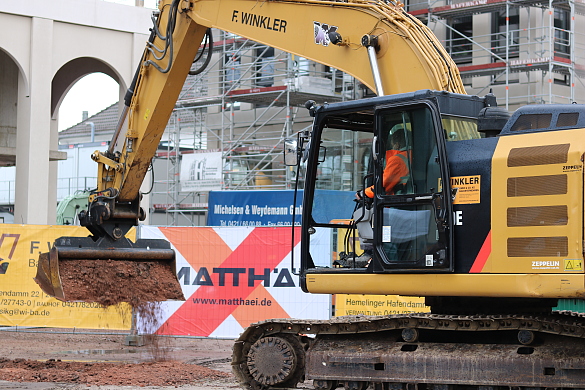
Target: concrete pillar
pixel 33 137
pixel 53 174
pixel 482 35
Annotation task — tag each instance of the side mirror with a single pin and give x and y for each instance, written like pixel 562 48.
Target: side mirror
pixel 291 152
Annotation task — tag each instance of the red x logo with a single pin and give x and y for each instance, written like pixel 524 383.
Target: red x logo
pixel 233 282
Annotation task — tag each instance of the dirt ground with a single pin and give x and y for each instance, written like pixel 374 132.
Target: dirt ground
pixel 51 359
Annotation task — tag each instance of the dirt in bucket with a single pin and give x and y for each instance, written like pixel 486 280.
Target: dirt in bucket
pixel 109 282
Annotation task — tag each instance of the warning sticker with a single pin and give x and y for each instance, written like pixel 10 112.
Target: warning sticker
pixel 468 189
pixel 573 265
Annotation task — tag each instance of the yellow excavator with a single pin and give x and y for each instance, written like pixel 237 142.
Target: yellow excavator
pixel 485 222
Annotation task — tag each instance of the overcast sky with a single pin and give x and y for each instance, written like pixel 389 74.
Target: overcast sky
pixel 94 92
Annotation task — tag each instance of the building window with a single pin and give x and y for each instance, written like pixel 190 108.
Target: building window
pixel 562 79
pixel 232 71
pixel 500 79
pixel 499 38
pixel 458 46
pixel 415 5
pixel 301 66
pixel 265 67
pixel 229 105
pixel 562 25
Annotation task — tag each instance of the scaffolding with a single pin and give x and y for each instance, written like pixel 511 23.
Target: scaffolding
pixel 525 51
pixel 250 97
pixel 248 100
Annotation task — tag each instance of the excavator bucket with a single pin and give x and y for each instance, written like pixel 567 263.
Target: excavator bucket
pixel 109 272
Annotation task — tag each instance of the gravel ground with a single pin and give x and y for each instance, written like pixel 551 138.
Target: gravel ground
pixel 44 354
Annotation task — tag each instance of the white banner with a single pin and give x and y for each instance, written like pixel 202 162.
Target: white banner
pixel 232 277
pixel 201 171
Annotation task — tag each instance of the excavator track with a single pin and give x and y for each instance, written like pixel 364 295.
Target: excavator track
pixel 415 351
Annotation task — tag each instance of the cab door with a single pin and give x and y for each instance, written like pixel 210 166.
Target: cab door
pixel 412 202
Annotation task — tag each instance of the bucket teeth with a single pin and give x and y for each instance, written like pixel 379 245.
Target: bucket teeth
pixel 48 274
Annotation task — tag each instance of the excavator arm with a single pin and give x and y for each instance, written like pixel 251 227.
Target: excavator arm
pixel 360 38
pixel 377 42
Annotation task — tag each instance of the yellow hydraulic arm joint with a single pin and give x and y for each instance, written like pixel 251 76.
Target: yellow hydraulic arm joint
pixel 98 157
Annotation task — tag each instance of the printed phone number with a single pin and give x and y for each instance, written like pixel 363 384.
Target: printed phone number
pixel 16 302
pixel 22 302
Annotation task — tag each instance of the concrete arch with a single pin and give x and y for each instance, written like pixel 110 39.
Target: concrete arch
pixel 5 55
pixel 13 81
pixel 48 47
pixel 72 72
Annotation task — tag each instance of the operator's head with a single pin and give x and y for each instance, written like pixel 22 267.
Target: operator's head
pixel 397 139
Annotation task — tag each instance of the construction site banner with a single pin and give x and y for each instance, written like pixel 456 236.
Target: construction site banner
pixel 273 208
pixel 232 277
pixel 23 303
pixel 253 208
pixel 378 305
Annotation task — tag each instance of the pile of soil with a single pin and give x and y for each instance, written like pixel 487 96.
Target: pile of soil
pixel 169 373
pixel 65 356
pixel 109 282
pixel 89 357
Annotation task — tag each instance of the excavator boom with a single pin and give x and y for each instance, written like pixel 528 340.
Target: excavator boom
pixel 357 38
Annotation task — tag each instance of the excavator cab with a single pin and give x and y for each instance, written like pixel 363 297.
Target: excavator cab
pixel 408 199
pixel 405 224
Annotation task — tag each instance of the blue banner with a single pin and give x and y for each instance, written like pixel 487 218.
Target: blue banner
pixel 274 208
pixel 253 208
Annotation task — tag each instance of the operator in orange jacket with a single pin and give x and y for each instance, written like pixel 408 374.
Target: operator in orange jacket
pixel 396 170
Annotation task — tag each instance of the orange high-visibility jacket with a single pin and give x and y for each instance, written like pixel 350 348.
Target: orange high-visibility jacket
pixel 395 172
